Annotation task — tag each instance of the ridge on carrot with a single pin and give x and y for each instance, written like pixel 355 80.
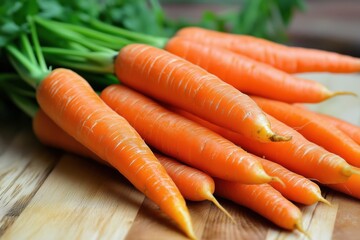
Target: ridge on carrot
pixel 183 139
pixel 72 104
pixel 166 77
pixel 298 155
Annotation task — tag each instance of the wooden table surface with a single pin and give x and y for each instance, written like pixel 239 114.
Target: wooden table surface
pixel 48 194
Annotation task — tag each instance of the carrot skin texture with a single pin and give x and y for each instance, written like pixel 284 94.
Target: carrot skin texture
pixel 287 59
pixel 313 128
pixel 73 105
pixel 298 155
pixel 171 79
pixel 262 199
pixel 183 139
pixel 248 75
pixel 193 184
pixel 351 187
pixel 349 129
pixel 297 188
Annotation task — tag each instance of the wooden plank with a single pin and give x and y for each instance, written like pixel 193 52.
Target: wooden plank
pixel 23 167
pixel 79 200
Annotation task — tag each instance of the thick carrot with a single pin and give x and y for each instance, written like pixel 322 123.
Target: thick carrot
pixel 174 80
pixel 183 139
pixel 350 187
pixel 264 200
pixel 73 105
pixel 298 155
pixel 285 58
pixel 313 128
pixel 349 129
pixel 248 75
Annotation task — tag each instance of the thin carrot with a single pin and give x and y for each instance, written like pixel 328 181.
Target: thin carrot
pixel 183 139
pixel 248 75
pixel 169 78
pixel 313 128
pixel 264 200
pixel 298 155
pixel 296 187
pixel 72 104
pixel 288 59
pixel 193 184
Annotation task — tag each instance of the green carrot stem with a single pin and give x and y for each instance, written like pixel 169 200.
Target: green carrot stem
pixel 138 37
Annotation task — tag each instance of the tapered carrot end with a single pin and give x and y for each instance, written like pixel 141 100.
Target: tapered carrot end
pixel 350 170
pixel 279 138
pixel 299 227
pixel 276 179
pixel 321 199
pixel 337 93
pixel 211 198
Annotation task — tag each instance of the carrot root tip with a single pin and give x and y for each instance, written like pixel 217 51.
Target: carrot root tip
pixel 277 179
pixel 348 171
pixel 322 199
pixel 218 205
pixel 337 93
pixel 299 227
pixel 279 138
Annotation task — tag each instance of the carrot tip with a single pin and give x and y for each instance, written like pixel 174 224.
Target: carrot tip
pixel 277 179
pixel 217 204
pixel 299 227
pixel 350 171
pixel 337 93
pixel 322 199
pixel 279 138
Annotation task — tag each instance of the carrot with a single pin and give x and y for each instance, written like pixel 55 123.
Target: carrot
pixel 73 105
pixel 298 155
pixel 183 139
pixel 285 58
pixel 171 79
pixel 264 200
pixel 248 75
pixel 350 187
pixel 193 184
pixel 296 187
pixel 313 128
pixel 349 129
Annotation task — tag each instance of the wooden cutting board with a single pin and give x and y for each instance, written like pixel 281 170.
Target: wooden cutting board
pixel 47 194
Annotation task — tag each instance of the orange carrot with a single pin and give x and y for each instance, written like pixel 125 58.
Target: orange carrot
pixel 193 184
pixel 349 129
pixel 248 75
pixel 313 128
pixel 183 139
pixel 264 200
pixel 298 155
pixel 296 187
pixel 73 105
pixel 350 187
pixel 288 59
pixel 174 80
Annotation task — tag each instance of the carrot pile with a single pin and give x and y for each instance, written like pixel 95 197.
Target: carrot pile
pixel 209 113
